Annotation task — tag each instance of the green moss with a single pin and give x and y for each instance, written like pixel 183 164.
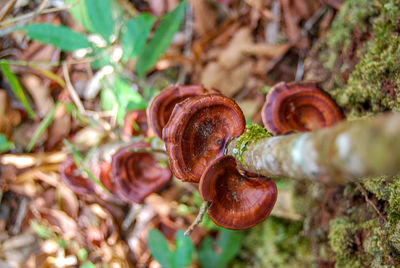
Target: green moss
pixel 362 52
pixel 373 85
pixel 253 133
pixel 276 243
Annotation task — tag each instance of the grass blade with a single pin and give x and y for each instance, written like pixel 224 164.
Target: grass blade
pixel 79 159
pixel 16 87
pixel 42 127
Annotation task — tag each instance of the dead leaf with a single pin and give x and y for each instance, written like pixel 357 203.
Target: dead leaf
pixel 9 117
pixel 204 17
pixel 229 82
pixel 40 94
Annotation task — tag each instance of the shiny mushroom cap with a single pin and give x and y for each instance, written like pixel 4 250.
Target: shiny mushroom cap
pixel 73 177
pixel 161 106
pixel 298 106
pixel 238 202
pixel 198 131
pixel 136 174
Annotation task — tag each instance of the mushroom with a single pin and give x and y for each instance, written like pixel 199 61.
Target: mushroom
pixel 73 177
pixel 298 106
pixel 136 173
pixel 198 131
pixel 135 123
pixel 161 106
pixel 237 202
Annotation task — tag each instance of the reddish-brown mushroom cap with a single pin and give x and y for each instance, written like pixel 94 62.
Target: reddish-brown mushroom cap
pixel 238 202
pixel 135 123
pixel 162 105
pixel 298 106
pixel 73 177
pixel 198 131
pixel 137 174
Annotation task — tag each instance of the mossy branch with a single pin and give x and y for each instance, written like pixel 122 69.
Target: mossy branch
pixel 345 152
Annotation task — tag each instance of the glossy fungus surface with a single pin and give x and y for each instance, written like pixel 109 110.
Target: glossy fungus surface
pixel 136 174
pixel 298 106
pixel 237 202
pixel 74 178
pixel 198 131
pixel 162 105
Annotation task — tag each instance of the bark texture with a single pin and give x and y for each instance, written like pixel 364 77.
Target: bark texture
pixel 345 152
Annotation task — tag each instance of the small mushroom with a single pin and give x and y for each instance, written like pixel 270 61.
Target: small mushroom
pixel 198 131
pixel 298 106
pixel 135 123
pixel 136 173
pixel 73 177
pixel 237 202
pixel 161 106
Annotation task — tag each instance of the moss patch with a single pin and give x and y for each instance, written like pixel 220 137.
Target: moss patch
pixel 373 84
pixel 362 52
pixel 253 134
pixel 275 243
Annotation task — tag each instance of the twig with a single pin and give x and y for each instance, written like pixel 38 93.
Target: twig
pixel 71 90
pixel 199 217
pixel 365 194
pixel 188 44
pixel 35 13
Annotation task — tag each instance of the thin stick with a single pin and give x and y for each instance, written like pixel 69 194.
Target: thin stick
pixel 71 90
pixel 35 13
pixel 199 217
pixel 365 194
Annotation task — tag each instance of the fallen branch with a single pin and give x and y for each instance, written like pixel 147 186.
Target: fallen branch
pixel 345 152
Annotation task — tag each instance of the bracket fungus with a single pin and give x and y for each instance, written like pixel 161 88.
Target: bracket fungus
pixel 237 201
pixel 298 106
pixel 198 131
pixel 136 173
pixel 162 105
pixel 73 178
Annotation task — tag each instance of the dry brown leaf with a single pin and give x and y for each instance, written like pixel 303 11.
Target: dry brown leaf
pixel 266 50
pixel 292 29
pixel 40 94
pixel 204 17
pixel 229 82
pixel 9 117
pixel 24 133
pixel 60 127
pixel 232 55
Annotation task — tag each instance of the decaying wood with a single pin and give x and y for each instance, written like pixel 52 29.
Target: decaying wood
pixel 339 154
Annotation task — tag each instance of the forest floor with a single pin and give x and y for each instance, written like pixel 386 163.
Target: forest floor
pixel 59 99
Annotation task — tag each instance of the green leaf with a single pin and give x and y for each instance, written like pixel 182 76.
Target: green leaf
pixel 162 38
pixel 42 127
pixel 60 36
pixel 87 264
pixel 135 35
pixel 16 87
pixel 108 99
pixel 99 13
pixel 128 99
pixel 41 230
pixel 5 145
pixel 79 13
pixel 184 250
pixel 228 242
pixel 159 248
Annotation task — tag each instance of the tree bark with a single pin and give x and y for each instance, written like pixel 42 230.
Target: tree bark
pixel 339 154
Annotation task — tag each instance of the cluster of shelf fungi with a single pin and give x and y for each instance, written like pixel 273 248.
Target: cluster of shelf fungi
pixel 196 125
